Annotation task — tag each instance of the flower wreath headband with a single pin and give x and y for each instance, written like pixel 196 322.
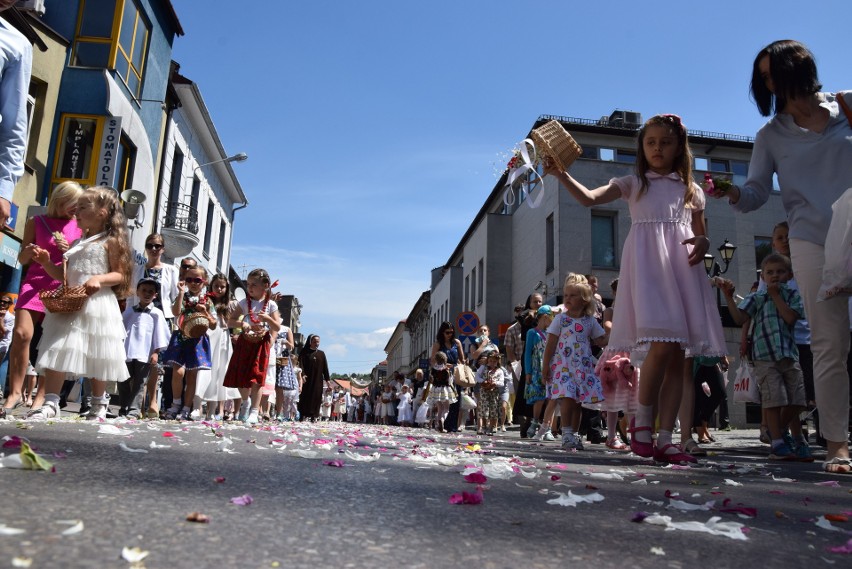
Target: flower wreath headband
pixel 674 120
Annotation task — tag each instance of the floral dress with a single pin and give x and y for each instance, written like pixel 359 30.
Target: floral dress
pixel 533 355
pixel 572 369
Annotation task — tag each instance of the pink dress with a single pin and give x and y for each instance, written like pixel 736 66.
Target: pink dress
pixel 660 296
pixel 36 278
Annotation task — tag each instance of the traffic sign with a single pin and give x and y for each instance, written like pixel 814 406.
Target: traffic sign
pixel 468 323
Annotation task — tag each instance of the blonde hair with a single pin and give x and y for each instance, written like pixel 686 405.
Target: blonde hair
pixel 572 279
pixel 61 196
pixel 586 294
pixel 115 226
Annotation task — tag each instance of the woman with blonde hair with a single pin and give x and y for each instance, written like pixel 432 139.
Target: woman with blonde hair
pixel 54 232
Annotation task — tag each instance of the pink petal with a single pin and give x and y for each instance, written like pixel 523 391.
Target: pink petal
pixel 750 512
pixel 334 463
pixel 168 434
pixel 456 499
pixel 847 548
pixel 243 500
pixel 14 442
pixel 639 517
pixel 555 477
pixel 476 478
pixel 219 479
pixel 472 497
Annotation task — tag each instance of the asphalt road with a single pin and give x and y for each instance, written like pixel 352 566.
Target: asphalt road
pixel 347 495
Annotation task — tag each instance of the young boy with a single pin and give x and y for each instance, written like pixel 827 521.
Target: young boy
pixel 147 334
pixel 774 354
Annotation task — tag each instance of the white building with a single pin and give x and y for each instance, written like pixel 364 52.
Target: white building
pixel 199 190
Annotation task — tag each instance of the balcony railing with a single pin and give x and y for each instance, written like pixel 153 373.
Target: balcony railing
pixel 181 217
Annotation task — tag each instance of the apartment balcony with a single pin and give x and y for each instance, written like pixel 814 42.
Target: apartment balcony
pixel 180 229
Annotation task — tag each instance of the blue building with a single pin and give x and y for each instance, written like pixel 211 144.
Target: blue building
pixel 111 110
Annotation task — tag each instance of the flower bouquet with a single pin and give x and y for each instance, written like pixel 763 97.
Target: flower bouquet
pixel 715 186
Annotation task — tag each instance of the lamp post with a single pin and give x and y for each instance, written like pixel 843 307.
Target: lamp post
pixel 726 252
pixel 238 157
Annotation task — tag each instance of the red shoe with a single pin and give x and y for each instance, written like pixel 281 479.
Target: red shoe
pixel 672 458
pixel 645 450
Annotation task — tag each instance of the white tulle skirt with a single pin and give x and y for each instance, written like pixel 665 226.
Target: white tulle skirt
pixel 86 343
pixel 210 384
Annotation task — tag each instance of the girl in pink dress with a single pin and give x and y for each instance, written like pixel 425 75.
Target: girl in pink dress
pixel 665 307
pixel 54 233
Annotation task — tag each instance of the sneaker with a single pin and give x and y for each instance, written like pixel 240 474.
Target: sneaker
pixel 503 429
pixel 569 442
pixel 252 418
pixel 185 414
pixel 533 429
pixel 788 438
pixel 195 415
pixel 244 411
pixel 47 411
pixel 578 442
pixel 803 453
pixel 782 452
pixel 97 412
pixel 172 413
pixel 547 436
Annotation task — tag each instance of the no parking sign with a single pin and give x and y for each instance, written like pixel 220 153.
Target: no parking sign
pixel 467 323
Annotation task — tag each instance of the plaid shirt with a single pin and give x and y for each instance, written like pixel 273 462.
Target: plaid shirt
pixel 514 342
pixel 772 337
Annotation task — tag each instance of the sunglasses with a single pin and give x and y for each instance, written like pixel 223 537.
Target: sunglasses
pixel 5 302
pixel 182 266
pixel 153 246
pixel 194 280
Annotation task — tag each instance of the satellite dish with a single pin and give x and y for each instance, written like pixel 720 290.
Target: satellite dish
pixel 239 294
pixel 132 200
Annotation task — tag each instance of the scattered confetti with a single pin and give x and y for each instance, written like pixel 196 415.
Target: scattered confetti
pixel 845 548
pixel 472 498
pixel 712 526
pixel 475 478
pixel 6 530
pixel 133 554
pixel 76 526
pixel 243 500
pixel 571 499
pixel 126 448
pixel 657 551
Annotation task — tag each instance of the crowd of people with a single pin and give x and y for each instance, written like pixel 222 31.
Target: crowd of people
pixel 635 367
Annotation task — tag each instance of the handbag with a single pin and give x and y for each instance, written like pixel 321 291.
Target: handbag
pixel 745 385
pixel 463 376
pixel 467 402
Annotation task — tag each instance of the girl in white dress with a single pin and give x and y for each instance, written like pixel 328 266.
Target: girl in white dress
pixel 89 342
pixel 221 348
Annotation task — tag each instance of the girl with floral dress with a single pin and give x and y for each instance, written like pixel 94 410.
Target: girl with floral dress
pixel 571 368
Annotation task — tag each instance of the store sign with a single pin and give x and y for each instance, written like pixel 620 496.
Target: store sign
pixel 110 139
pixel 77 143
pixel 9 249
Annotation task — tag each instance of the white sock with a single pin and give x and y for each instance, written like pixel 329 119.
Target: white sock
pixel 52 398
pixel 664 438
pixel 644 418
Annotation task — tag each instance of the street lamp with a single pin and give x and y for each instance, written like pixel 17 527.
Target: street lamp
pixel 238 157
pixel 726 251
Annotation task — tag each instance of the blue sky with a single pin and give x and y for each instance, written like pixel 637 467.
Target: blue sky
pixel 375 129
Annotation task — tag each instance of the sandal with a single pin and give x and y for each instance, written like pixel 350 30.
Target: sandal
pixel 703 441
pixel 645 450
pixel 616 444
pixel 844 463
pixel 660 455
pixel 691 447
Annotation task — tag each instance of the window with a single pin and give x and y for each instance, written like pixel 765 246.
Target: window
pixel 762 248
pixel 196 192
pixel 176 178
pixel 702 164
pixel 590 152
pixel 603 239
pixel 719 165
pixel 607 154
pixel 220 256
pixel 75 156
pixel 480 284
pixel 740 171
pixel 112 34
pixel 472 289
pixel 125 160
pixel 628 156
pixel 549 244
pixel 208 228
pixel 466 291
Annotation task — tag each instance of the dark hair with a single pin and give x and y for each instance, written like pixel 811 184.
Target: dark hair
pixel 683 162
pixel 220 304
pixel 261 275
pixel 792 69
pixel 443 328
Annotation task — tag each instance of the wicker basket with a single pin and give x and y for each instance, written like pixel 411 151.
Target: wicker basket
pixel 254 337
pixel 64 299
pixel 195 325
pixel 552 140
